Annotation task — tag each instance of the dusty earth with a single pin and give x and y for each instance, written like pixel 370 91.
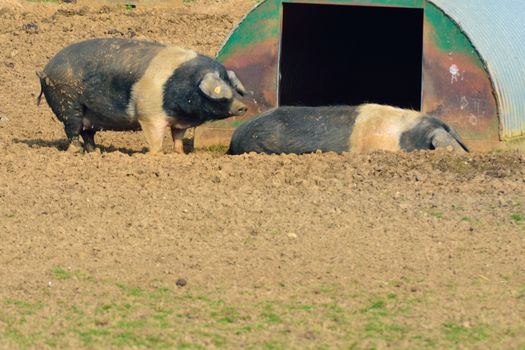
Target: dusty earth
pixel 117 249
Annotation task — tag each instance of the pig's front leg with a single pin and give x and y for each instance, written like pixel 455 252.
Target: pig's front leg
pixel 178 136
pixel 154 129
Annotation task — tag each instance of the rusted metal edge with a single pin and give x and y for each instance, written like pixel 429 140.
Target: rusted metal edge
pixel 483 61
pixel 227 39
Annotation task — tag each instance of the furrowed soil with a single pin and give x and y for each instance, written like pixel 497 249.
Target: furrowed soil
pixel 118 249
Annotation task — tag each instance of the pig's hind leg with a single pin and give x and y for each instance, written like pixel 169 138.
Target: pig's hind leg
pixel 75 126
pixel 72 119
pixel 88 135
pixel 68 109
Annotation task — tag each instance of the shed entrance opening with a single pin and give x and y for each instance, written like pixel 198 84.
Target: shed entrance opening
pixel 344 54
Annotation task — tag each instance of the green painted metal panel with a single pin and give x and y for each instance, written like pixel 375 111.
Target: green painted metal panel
pixel 261 23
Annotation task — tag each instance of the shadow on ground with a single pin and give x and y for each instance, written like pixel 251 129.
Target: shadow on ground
pixel 62 145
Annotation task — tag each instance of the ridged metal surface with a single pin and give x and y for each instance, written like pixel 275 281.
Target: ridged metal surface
pixel 497 30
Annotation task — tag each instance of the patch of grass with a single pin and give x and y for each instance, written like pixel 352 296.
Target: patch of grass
pixel 394 283
pixel 328 289
pixel 376 306
pixel 24 308
pixel 132 324
pixel 425 341
pixel 88 336
pixel 271 317
pixel 517 218
pixel 45 1
pixel 335 313
pixel 214 149
pixel 237 123
pixel 275 232
pixel 186 346
pixel 63 274
pixel 269 314
pixel 273 345
pixel 131 291
pixel 381 318
pixel 217 340
pixel 384 330
pixel 225 315
pixel 459 334
pixel 24 341
pixel 129 6
pixel 53 343
pixel 163 318
pixel 437 214
pixel 244 330
pixel 470 220
pixel 160 293
pixel 521 293
pixel 299 307
pixel 103 308
pixel 72 313
pixel 128 339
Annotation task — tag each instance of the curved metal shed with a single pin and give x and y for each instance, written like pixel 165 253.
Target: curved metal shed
pixel 463 61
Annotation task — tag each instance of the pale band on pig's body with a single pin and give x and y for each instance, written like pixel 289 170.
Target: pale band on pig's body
pixel 121 84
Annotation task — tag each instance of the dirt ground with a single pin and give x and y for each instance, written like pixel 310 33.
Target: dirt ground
pixel 118 249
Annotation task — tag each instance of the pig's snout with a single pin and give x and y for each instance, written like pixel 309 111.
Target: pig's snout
pixel 238 108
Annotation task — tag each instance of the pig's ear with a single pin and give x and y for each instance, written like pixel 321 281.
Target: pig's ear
pixel 236 83
pixel 215 88
pixel 441 139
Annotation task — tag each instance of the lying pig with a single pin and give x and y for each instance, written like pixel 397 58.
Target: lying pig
pixel 362 128
pixel 120 84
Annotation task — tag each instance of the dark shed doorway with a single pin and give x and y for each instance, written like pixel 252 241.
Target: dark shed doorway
pixel 344 54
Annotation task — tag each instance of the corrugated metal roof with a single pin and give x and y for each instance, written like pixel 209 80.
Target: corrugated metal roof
pixel 497 30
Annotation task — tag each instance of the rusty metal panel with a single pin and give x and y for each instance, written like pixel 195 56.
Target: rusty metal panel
pixel 496 28
pixel 456 85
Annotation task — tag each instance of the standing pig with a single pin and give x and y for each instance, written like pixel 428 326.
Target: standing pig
pixel 362 128
pixel 120 84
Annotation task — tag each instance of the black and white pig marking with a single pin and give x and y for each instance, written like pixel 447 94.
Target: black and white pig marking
pixel 121 84
pixel 363 128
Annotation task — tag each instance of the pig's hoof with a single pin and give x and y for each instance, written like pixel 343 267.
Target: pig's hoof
pixel 90 148
pixel 75 147
pixel 96 151
pixel 154 153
